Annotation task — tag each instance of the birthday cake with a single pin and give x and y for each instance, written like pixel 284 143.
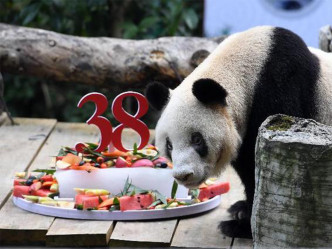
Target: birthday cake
pixel 133 180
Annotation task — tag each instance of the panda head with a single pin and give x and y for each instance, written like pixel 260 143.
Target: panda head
pixel 195 129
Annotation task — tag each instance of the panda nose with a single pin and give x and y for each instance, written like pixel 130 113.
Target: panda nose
pixel 183 176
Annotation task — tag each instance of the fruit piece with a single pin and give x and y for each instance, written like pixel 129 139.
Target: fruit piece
pixel 49 203
pixel 86 166
pixel 143 163
pixel 54 188
pixel 47 178
pixel 160 160
pixel 90 191
pixel 100 159
pixel 42 193
pixel 20 190
pixel 47 184
pixel 20 174
pixel 35 186
pixel 71 159
pixel 66 204
pixel 115 153
pixel 62 165
pixel 90 202
pixel 96 192
pixel 80 197
pixel 148 152
pixel 121 163
pixel 135 202
pixel 19 182
pixel 213 190
pixel 106 203
pixel 41 199
pixel 103 166
pixel 110 163
pixel 31 198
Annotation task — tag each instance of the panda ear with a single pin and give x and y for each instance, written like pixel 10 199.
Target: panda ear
pixel 157 94
pixel 208 91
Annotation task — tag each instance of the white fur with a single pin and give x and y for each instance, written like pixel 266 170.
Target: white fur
pixel 324 86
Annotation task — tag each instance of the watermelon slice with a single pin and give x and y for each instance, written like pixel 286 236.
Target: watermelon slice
pixel 19 181
pixel 135 202
pixel 88 200
pixel 47 178
pixel 213 190
pixel 42 192
pixel 20 190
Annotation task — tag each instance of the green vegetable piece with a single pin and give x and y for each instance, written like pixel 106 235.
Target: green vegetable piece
pixel 174 189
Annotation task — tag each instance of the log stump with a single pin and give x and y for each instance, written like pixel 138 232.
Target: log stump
pixel 293 194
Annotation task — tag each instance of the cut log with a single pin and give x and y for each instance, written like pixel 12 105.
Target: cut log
pixel 325 38
pixel 293 196
pixel 108 62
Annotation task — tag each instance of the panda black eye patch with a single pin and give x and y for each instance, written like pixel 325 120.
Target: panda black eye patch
pixel 169 148
pixel 199 144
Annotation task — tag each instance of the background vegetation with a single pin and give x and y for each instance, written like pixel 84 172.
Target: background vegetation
pixel 130 19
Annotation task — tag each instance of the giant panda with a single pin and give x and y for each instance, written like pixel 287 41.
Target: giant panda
pixel 212 118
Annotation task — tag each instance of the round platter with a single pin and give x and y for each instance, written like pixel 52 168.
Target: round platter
pixel 118 215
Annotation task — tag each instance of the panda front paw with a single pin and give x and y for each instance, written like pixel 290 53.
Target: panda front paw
pixel 236 228
pixel 240 210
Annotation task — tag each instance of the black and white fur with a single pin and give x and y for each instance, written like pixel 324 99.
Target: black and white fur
pixel 211 119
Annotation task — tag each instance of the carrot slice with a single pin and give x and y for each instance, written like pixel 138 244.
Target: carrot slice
pixel 115 153
pixel 47 184
pixel 106 203
pixel 86 166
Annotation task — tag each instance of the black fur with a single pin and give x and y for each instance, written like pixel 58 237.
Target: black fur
pixel 286 85
pixel 199 144
pixel 157 95
pixel 209 92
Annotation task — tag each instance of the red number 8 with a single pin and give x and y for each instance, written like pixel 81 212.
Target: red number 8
pixel 128 120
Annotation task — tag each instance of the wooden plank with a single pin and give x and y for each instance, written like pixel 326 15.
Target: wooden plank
pixel 19 227
pixel 242 244
pixel 65 232
pixel 18 147
pixel 202 231
pixel 148 233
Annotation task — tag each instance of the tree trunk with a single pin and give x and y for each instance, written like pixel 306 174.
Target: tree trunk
pixel 325 38
pixel 293 195
pixel 108 62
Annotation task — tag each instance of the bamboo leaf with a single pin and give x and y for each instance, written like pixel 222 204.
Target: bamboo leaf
pixel 174 189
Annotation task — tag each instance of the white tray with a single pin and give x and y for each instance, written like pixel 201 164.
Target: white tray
pixel 118 215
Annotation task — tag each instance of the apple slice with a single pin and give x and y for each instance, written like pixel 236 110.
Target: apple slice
pixel 62 165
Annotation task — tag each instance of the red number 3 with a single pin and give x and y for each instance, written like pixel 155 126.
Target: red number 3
pixel 126 120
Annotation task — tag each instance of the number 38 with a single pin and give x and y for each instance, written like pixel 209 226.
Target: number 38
pixel 108 134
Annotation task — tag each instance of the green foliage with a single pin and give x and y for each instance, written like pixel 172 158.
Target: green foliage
pixel 142 19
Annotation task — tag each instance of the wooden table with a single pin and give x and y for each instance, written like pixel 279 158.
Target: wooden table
pixel 29 145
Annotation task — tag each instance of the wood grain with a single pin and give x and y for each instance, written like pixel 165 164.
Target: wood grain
pixel 66 232
pixel 19 144
pixel 156 233
pixel 102 61
pixel 202 231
